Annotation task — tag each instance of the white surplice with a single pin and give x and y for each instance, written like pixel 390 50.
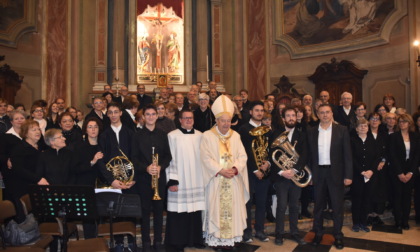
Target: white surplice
pixel 185 167
pixel 214 234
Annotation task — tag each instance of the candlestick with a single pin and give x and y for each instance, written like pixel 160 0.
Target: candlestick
pixel 116 65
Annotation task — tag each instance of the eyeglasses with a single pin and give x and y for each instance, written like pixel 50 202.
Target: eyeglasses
pixel 110 112
pixel 59 137
pixel 403 121
pixel 360 109
pixel 38 110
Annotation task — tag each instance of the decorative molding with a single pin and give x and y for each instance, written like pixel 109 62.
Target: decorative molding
pixel 297 50
pixel 21 19
pixel 27 71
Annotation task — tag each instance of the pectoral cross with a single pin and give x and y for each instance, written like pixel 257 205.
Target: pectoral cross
pixel 226 157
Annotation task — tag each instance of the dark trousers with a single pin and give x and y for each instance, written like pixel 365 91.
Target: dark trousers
pixel 306 197
pixel 417 197
pixel 258 192
pixel 361 200
pixel 183 229
pixel 402 200
pixel 326 184
pixel 287 192
pixel 147 204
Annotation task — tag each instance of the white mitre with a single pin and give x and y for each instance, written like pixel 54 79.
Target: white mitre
pixel 222 105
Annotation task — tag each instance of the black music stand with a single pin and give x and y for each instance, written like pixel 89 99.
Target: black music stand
pixel 112 205
pixel 60 201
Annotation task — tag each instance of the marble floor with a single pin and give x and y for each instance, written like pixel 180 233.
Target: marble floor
pixel 384 239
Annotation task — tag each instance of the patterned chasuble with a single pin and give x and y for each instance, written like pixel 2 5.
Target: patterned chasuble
pixel 226 190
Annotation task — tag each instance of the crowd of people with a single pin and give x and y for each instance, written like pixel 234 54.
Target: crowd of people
pixel 209 176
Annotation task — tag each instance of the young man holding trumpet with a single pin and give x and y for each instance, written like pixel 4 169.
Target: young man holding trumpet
pixel 151 156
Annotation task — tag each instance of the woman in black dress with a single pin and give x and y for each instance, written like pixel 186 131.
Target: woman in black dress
pixel 8 142
pixel 404 159
pixel 89 152
pixel 52 116
pixel 365 163
pixel 72 134
pixel 379 186
pixel 24 158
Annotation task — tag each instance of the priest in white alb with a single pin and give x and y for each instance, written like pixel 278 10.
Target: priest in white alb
pixel 225 176
pixel 185 186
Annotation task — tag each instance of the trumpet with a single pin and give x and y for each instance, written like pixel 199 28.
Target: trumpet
pixel 259 146
pixel 155 178
pixel 289 158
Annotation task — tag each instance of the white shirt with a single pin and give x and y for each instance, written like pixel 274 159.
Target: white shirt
pixel 289 136
pixel 254 124
pixel 131 114
pixel 407 149
pixel 324 145
pixel 13 132
pixel 117 131
pixel 347 110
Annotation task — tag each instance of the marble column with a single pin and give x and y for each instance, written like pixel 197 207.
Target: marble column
pixel 217 43
pixel 56 47
pixel 201 41
pixel 101 45
pixel 118 42
pixel 256 48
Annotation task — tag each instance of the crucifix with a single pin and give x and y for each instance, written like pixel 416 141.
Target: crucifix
pixel 158 19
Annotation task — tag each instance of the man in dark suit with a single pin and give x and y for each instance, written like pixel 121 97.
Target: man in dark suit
pixel 258 183
pixel 142 97
pixel 122 94
pixel 213 85
pixel 332 167
pixel 345 112
pixel 114 140
pixel 287 191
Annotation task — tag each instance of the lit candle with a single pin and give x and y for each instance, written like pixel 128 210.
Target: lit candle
pixel 116 65
pixel 416 44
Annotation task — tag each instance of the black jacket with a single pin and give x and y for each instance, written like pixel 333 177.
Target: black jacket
pixel 340 153
pixel 397 154
pixel 57 167
pixel 145 100
pixel 105 119
pixel 111 148
pixel 299 141
pixel 142 144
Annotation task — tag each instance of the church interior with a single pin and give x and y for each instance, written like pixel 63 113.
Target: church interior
pixel 71 49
